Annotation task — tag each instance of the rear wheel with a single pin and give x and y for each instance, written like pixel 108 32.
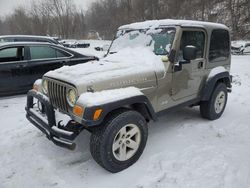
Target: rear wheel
pixel 120 141
pixel 214 108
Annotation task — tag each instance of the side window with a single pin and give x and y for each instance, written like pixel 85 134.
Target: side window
pixel 60 53
pixel 42 52
pixel 219 46
pixel 12 54
pixel 194 38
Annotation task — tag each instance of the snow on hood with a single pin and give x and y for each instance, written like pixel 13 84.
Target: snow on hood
pixel 107 96
pixel 136 61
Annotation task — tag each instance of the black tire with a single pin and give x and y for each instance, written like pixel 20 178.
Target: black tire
pixel 102 139
pixel 207 108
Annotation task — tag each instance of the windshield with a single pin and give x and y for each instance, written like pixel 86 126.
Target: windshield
pixel 159 40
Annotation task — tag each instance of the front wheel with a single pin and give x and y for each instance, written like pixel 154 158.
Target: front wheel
pixel 214 108
pixel 120 141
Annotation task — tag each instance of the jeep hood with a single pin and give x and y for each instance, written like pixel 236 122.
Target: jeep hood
pixel 124 69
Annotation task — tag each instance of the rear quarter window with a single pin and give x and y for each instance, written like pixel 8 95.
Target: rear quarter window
pixel 60 53
pixel 219 46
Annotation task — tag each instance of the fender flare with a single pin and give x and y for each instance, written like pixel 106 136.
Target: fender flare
pixel 211 83
pixel 109 107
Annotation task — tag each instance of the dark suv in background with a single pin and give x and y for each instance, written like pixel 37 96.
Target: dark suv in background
pixel 21 63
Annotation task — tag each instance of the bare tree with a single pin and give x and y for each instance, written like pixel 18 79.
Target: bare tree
pixel 62 18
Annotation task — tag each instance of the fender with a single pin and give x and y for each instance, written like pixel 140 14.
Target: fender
pixel 211 83
pixel 109 107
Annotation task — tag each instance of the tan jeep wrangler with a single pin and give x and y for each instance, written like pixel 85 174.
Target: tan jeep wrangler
pixel 151 67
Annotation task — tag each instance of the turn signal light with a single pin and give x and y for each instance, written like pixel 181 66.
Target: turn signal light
pixel 97 114
pixel 78 110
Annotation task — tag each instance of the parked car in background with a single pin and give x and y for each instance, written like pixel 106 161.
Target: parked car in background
pixel 69 43
pixel 96 48
pixel 28 38
pixel 235 50
pixel 245 48
pixel 74 44
pixel 82 45
pixel 240 47
pixel 21 63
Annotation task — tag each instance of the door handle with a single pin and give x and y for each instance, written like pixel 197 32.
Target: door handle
pixel 21 66
pixel 200 65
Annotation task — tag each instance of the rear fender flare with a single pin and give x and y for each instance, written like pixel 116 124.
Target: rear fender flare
pixel 211 83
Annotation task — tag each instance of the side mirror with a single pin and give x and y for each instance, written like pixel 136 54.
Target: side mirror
pixel 189 53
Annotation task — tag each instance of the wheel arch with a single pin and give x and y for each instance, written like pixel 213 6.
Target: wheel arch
pixel 141 104
pixel 223 77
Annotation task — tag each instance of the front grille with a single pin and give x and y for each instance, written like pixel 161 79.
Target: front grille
pixel 57 95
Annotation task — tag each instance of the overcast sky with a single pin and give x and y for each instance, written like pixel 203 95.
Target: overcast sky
pixel 7 6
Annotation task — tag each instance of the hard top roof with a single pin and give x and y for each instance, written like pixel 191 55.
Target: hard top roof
pixel 170 22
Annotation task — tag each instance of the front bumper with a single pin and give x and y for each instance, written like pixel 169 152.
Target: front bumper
pixel 45 121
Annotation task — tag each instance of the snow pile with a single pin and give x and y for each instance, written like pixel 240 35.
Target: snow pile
pixel 107 96
pixel 140 56
pixel 133 39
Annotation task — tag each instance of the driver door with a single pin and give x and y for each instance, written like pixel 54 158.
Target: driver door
pixel 186 81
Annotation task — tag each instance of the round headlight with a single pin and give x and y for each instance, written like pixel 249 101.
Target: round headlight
pixel 45 86
pixel 72 97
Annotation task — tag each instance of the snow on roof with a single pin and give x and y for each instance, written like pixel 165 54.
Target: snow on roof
pixel 166 22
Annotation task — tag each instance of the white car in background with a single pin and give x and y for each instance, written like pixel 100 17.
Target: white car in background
pixel 240 47
pixel 245 48
pixel 97 48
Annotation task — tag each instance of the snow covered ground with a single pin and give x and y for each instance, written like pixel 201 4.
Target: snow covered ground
pixel 183 150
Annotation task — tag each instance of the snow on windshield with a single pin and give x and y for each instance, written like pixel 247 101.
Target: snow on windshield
pixel 137 56
pixel 158 40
